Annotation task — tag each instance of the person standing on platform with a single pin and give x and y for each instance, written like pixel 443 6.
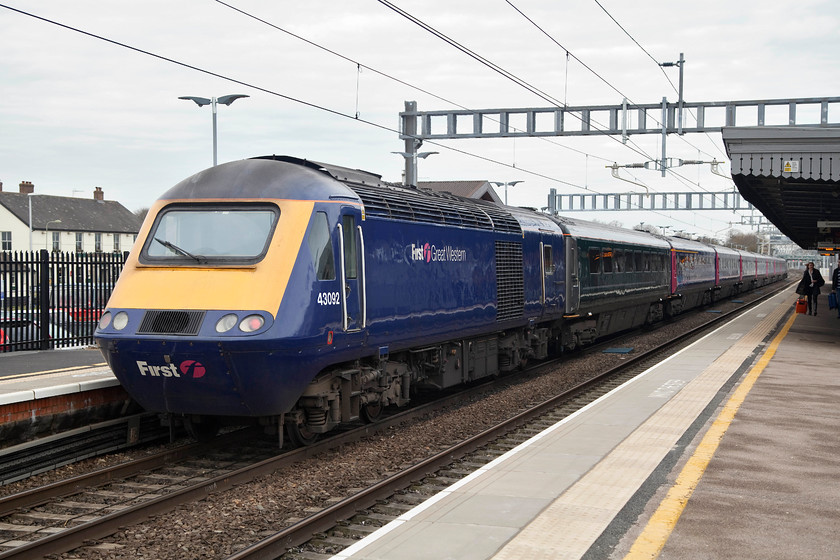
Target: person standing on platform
pixel 810 286
pixel 835 285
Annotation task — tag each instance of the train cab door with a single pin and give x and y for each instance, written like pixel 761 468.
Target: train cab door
pixel 352 271
pixel 550 273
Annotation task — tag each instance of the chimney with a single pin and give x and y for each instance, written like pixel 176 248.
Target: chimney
pixel 26 187
pixel 98 194
pixel 1 186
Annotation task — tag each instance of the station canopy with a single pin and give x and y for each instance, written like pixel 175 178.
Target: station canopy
pixel 791 175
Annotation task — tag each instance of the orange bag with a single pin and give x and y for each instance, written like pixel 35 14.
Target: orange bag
pixel 801 306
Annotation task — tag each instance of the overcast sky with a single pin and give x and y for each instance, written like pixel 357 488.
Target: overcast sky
pixel 79 112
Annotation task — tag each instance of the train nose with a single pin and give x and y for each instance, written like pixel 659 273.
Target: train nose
pixel 221 379
pixel 163 377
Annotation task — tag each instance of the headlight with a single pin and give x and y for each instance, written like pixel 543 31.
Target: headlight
pixel 120 320
pixel 105 320
pixel 226 323
pixel 251 323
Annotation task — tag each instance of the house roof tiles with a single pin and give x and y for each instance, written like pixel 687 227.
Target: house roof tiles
pixel 76 214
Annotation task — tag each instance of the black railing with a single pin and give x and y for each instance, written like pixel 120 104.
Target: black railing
pixel 54 300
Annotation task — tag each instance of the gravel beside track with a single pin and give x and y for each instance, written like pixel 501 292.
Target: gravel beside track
pixel 226 522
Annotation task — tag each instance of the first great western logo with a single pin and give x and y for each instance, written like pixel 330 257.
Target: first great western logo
pixel 188 368
pixel 427 252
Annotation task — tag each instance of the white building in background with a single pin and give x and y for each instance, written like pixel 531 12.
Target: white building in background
pixel 64 224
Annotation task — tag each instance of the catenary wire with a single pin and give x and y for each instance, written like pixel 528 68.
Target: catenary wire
pixel 300 101
pixel 631 103
pixel 388 76
pixel 378 72
pixel 497 68
pixel 676 90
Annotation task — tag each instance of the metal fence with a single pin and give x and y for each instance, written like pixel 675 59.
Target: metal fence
pixel 53 300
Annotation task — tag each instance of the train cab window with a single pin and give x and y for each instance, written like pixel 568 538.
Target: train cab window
pixel 594 261
pixel 607 258
pixel 348 224
pixel 210 234
pixel 320 247
pixel 548 261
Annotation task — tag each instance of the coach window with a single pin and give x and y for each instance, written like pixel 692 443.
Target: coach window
pixel 348 223
pixel 618 261
pixel 320 247
pixel 607 257
pixel 629 261
pixel 594 261
pixel 639 261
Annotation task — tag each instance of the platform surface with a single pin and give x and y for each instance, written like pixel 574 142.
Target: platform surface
pixel 47 373
pixel 588 486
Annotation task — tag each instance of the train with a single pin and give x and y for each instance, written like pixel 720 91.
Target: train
pixel 304 295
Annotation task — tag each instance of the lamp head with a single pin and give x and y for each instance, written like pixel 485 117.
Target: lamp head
pixel 228 99
pixel 200 101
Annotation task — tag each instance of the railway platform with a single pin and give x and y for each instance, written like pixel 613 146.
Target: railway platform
pixel 42 392
pixel 727 449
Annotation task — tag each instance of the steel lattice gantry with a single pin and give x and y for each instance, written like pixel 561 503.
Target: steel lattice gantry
pixel 791 175
pixel 662 201
pixel 785 162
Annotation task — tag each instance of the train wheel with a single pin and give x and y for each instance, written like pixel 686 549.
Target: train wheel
pixel 371 412
pixel 300 435
pixel 201 429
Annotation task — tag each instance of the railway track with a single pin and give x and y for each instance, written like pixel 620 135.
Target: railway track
pixel 87 523
pixel 329 531
pixel 28 459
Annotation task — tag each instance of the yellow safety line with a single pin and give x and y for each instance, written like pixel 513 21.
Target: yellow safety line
pixel 33 373
pixel 652 540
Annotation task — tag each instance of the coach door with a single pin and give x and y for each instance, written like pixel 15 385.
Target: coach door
pixel 354 298
pixel 572 276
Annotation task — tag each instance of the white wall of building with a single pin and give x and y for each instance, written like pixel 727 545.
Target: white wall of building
pixel 42 239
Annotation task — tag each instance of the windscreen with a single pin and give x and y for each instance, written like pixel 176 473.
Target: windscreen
pixel 211 234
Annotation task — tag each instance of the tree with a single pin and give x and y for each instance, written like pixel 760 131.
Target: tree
pixel 739 240
pixel 650 228
pixel 141 213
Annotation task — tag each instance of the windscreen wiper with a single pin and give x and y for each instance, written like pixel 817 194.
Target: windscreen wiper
pixel 198 258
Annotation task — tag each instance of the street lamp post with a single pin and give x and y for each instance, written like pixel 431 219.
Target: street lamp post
pixel 411 176
pixel 47 234
pixel 505 185
pixel 29 196
pixel 213 101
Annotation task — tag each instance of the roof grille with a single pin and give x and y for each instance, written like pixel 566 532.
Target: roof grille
pixel 434 207
pixel 171 322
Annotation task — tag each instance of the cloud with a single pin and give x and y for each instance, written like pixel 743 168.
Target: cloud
pixel 79 112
